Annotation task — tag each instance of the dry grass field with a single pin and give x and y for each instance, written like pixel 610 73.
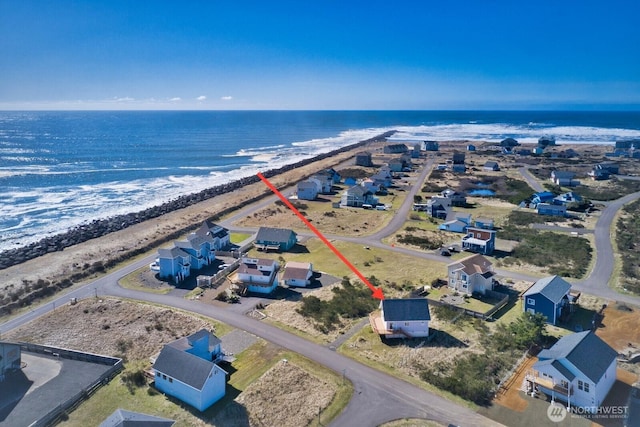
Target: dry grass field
pixel 113 327
pixel 285 396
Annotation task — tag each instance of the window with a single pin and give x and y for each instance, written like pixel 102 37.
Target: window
pixel 164 377
pixel 586 387
pixel 170 379
pixel 531 301
pixel 580 385
pixel 564 384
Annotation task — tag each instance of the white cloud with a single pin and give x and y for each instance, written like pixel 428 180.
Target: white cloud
pixel 124 99
pixel 201 98
pixel 227 98
pixel 176 99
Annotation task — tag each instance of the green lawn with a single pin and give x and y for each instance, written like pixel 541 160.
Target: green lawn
pixel 386 265
pixel 237 238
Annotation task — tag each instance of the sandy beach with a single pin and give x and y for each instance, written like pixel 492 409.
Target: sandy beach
pixel 57 266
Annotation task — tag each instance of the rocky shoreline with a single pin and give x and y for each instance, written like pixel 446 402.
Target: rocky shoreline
pixel 102 227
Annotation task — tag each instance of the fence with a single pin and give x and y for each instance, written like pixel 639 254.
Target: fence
pixel 54 415
pixel 512 374
pixel 484 316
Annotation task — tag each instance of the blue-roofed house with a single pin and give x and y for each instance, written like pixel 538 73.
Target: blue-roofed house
pixel 542 197
pixel 350 181
pixel 579 369
pixel 567 198
pixel 402 318
pixel 173 264
pixel 186 370
pixel 279 239
pixel 551 297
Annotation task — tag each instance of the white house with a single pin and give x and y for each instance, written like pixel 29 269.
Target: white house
pixel 579 369
pixel 297 274
pixel 403 318
pixel 470 275
pixel 258 275
pixel 186 370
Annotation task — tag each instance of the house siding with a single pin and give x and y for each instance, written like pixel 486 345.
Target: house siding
pixel 541 305
pixel 213 390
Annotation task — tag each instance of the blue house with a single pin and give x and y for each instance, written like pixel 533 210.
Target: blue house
pixel 566 198
pixel 542 197
pixel 186 370
pixel 218 234
pixel 280 239
pixel 456 222
pixel 486 223
pixel 350 181
pixel 430 145
pixel 550 297
pixel 479 240
pixel 200 250
pixel 308 189
pixel 551 209
pixel 173 264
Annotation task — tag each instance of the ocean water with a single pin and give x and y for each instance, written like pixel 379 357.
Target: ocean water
pixel 62 169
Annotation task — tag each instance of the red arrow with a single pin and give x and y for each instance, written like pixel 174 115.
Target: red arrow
pixel 377 292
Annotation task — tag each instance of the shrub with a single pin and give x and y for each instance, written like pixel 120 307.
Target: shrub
pixel 349 301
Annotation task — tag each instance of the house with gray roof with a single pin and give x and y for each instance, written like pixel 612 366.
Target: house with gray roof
pixel 579 369
pixel 124 418
pixel 219 234
pixel 563 178
pixel 357 196
pixel 551 297
pixel 402 318
pixel 363 158
pixel 279 239
pixel 173 264
pixel 185 369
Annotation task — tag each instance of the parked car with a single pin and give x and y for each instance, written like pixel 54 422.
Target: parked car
pixel 445 252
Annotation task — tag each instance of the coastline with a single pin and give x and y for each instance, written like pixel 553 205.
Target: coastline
pixel 76 254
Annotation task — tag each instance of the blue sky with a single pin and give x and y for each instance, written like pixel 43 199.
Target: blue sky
pixel 137 54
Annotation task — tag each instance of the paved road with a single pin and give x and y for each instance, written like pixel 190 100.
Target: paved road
pixel 378 397
pixel 533 183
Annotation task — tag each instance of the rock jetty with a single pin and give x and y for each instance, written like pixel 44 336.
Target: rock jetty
pixel 102 227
